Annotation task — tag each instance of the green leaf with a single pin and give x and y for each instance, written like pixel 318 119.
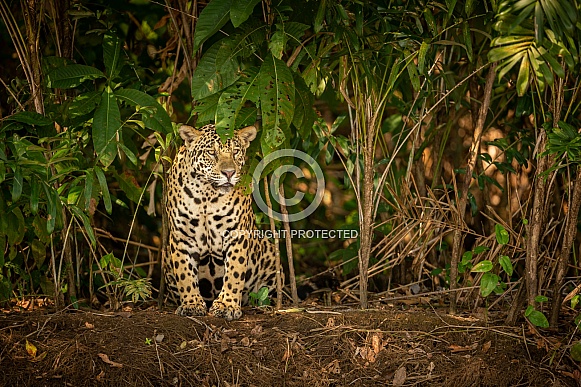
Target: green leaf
pixel 277 44
pixel 304 114
pixel 482 267
pixel 88 189
pixel 575 301
pixel 522 81
pixel 84 103
pixel 276 101
pixel 218 69
pixel 30 118
pixel 502 236
pixel 71 76
pixel 541 299
pixel 233 99
pixel 154 116
pixel 86 223
pixel 576 351
pixel 34 195
pixel 111 53
pixel 487 283
pixel 104 188
pixel 480 249
pixel 241 10
pixel 413 74
pixel 17 184
pixel 506 264
pixel 213 17
pixel 106 125
pixel 467 40
pixel 128 184
pixel 422 57
pixel 538 319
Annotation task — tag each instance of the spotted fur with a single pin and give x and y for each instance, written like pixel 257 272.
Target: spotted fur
pixel 213 257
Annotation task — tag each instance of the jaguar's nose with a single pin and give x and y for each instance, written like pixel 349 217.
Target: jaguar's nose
pixel 228 173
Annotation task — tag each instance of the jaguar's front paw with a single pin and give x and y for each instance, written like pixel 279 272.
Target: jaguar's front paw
pixel 193 309
pixel 228 312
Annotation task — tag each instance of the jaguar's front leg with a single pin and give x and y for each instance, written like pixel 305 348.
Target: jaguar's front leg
pixel 227 304
pixel 185 268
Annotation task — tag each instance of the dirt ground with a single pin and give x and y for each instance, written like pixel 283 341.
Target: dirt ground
pixel 317 346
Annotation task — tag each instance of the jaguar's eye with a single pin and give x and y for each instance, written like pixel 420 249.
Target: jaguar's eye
pixel 212 152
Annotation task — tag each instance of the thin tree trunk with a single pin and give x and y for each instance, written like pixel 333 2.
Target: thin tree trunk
pixel 289 248
pixel 366 221
pixel 472 159
pixel 569 237
pixel 276 247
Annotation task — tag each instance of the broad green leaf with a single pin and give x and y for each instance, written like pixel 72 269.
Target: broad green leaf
pixel 104 188
pixel 276 101
pixel 84 103
pixel 111 53
pixel 71 76
pixel 17 184
pixel 154 117
pixel 304 115
pixel 538 319
pixel 480 249
pixel 206 109
pixel 502 236
pixel 16 226
pixel 506 264
pixel 129 186
pixel 277 44
pixel 218 69
pixel 106 126
pixel 576 351
pixel 232 100
pixel 38 252
pixel 487 283
pixel 211 19
pixel 241 10
pixel 523 79
pixel 130 155
pixel 541 299
pixel 482 267
pixel 30 118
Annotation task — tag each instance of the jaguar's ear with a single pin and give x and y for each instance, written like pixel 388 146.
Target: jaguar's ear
pixel 189 134
pixel 247 135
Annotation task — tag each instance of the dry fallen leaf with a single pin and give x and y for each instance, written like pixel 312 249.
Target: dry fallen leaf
pixel 486 346
pixel 31 349
pixel 183 344
pixel 88 325
pixel 399 376
pixel 376 342
pixel 245 341
pixel 105 358
pixel 256 330
pixel 333 367
pixel 159 338
pixel 224 344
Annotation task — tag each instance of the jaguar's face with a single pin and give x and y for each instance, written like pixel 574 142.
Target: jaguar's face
pixel 217 163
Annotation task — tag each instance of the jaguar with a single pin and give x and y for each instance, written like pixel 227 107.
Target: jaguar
pixel 215 259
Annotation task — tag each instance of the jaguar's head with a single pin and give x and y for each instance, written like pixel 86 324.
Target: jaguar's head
pixel 213 161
